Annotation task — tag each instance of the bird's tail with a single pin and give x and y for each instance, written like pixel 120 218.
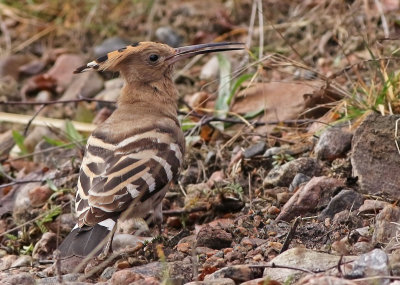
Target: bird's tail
pixel 83 241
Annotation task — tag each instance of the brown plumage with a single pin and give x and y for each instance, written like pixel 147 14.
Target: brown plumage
pixel 132 157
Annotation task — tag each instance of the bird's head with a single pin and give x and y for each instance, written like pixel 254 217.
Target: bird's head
pixel 149 61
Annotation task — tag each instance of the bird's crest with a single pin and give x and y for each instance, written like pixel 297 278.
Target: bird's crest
pixel 111 59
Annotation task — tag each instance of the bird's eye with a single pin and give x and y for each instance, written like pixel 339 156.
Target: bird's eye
pixel 153 57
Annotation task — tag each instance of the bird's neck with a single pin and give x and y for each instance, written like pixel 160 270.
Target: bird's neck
pixel 161 96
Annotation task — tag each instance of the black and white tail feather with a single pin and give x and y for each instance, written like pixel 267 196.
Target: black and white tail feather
pixel 86 240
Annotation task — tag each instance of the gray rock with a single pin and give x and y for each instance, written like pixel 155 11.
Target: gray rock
pixel 302 258
pixel 123 241
pixel 283 175
pixel 218 281
pixel 373 263
pixel 254 150
pixel 7 261
pixel 385 230
pixel 108 45
pixel 72 277
pixel 299 179
pixel 169 36
pixel 20 279
pixel 23 260
pixel 45 246
pixel 108 273
pixel 87 85
pixel 210 70
pixel 320 279
pixel 333 143
pixel 314 195
pixel 238 273
pixel 374 156
pixel 213 237
pixel 344 200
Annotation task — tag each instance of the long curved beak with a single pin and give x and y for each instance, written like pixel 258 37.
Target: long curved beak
pixel 188 51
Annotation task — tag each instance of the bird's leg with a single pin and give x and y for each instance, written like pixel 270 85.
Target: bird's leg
pixel 108 248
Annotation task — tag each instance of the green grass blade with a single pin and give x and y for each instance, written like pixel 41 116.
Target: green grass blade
pixel 224 90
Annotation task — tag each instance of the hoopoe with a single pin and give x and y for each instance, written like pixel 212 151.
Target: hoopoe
pixel 132 157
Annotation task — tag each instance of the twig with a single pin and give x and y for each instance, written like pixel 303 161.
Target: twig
pixel 81 99
pixel 179 212
pixel 33 117
pixel 44 121
pixel 273 265
pixel 290 235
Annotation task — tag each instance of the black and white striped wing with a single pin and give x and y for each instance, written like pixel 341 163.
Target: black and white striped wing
pixel 114 173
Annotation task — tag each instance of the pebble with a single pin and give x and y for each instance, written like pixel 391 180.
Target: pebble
pixel 23 260
pixel 284 175
pixel 254 150
pixel 108 45
pixel 125 277
pixel 315 194
pixel 45 246
pixel 373 263
pixel 169 36
pixel 238 273
pixel 39 195
pixel 372 156
pixel 218 281
pixel 213 237
pixel 344 200
pixel 299 179
pixel 333 143
pixel 385 231
pixel 20 279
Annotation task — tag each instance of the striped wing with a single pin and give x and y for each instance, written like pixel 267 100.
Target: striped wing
pixel 114 173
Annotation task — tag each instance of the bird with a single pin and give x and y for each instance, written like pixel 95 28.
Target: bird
pixel 131 158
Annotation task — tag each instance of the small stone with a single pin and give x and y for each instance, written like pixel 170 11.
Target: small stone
pixel 20 279
pixel 344 200
pixel 183 247
pixel 122 264
pixel 283 197
pixel 258 257
pixel 254 150
pixel 218 281
pixel 333 143
pixel 273 210
pixel 23 260
pixel 323 280
pixel 39 195
pixel 213 237
pixel 372 206
pixel 362 247
pixel 384 231
pixel 45 246
pixel 315 194
pixel 299 179
pixel 71 277
pixel 107 273
pixel 123 241
pixel 169 36
pixel 174 222
pixel 210 69
pixel 252 242
pixel 6 261
pixel 108 45
pixel 238 273
pixel 284 175
pixel 373 263
pixel 372 156
pixel 125 277
pixel 216 177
